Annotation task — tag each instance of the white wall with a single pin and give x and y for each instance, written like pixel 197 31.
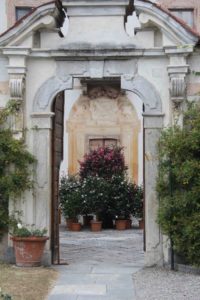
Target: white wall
pixel 3 18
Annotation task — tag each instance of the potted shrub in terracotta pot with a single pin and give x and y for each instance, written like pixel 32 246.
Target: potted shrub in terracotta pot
pixel 125 195
pixel 29 244
pixel 122 199
pixel 94 196
pixel 71 202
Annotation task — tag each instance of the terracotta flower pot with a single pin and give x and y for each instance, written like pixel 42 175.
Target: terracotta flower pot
pixel 128 224
pixel 75 226
pixel 96 225
pixel 29 250
pixel 141 224
pixel 69 223
pixel 120 224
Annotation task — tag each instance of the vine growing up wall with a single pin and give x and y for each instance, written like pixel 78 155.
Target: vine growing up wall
pixel 178 185
pixel 15 161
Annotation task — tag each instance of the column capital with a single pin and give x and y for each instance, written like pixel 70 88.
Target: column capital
pixel 153 121
pixel 42 120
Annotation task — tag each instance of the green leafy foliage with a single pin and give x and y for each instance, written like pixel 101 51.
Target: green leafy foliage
pixel 17 229
pixel 70 196
pixel 178 185
pixel 126 197
pixel 5 296
pixel 15 163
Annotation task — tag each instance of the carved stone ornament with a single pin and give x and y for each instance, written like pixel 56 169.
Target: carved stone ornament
pixel 103 91
pixel 177 88
pixel 17 87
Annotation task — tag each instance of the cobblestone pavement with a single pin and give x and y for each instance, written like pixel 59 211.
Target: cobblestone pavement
pixel 161 284
pixel 107 246
pixel 110 266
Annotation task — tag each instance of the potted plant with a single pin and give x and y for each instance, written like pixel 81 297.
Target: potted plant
pixel 126 197
pixel 122 198
pixel 95 198
pixel 138 207
pixel 71 201
pixel 28 242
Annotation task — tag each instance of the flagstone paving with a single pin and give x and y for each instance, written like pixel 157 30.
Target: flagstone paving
pixel 100 265
pixel 109 266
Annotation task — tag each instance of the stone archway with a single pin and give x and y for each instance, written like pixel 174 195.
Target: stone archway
pixel 153 122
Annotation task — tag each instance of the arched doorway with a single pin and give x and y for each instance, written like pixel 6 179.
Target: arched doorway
pixel 152 126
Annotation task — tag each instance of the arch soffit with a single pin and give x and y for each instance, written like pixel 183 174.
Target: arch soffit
pixel 137 84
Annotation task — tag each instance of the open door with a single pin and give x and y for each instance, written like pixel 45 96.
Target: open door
pixel 57 157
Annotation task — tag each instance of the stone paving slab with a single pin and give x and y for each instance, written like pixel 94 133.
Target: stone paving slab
pixel 100 266
pixel 114 269
pixel 80 289
pixel 63 297
pixel 106 298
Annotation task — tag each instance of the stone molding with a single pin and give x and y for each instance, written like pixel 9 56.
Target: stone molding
pixel 48 90
pixel 42 120
pixel 145 90
pixel 153 121
pixel 95 8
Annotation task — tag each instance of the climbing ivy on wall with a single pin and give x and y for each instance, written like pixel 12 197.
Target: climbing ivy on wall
pixel 178 185
pixel 15 163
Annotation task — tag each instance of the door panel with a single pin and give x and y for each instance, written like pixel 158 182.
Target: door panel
pixel 57 157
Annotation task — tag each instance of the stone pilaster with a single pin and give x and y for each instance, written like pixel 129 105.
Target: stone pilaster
pixel 41 136
pixel 153 237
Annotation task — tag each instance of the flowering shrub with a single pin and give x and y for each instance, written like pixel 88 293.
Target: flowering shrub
pixel 101 188
pixel 71 194
pixel 126 197
pixel 17 229
pixel 95 194
pixel 103 162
